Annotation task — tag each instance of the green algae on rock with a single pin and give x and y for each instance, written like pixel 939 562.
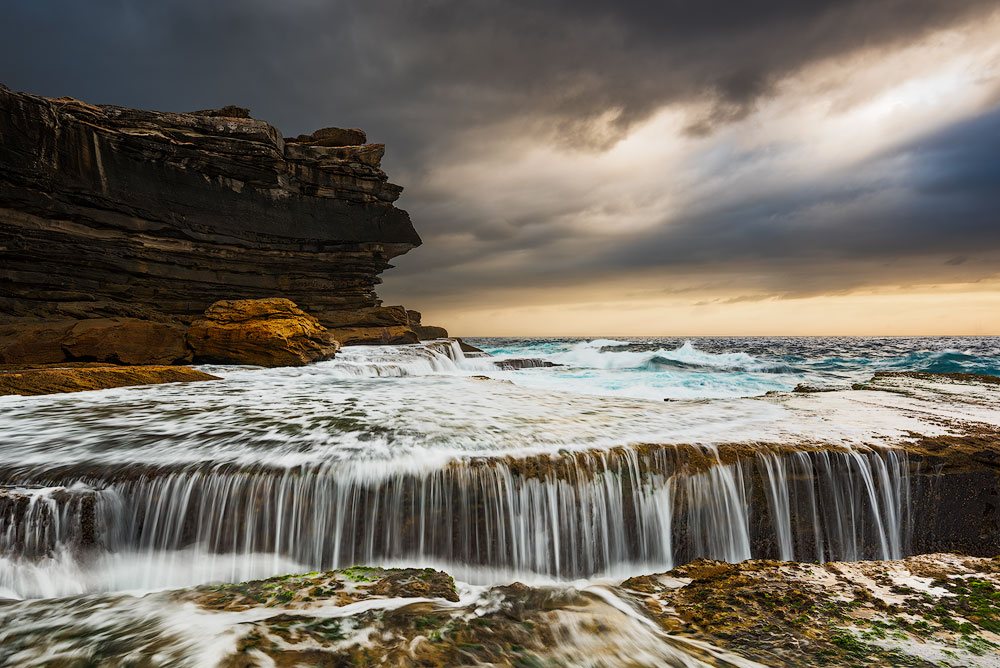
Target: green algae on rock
pixel 931 610
pixel 928 610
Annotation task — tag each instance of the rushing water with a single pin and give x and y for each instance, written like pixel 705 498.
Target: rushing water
pixel 421 455
pixel 594 459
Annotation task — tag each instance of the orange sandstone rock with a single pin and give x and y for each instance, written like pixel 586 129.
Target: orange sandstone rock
pixel 263 332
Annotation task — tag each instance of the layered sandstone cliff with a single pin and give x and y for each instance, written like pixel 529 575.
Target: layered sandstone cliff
pixel 113 212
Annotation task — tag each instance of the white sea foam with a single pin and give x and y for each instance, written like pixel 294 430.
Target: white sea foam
pixel 347 410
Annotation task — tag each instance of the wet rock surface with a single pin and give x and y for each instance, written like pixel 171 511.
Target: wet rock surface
pixel 900 467
pixel 515 364
pixel 38 522
pixel 928 610
pixel 561 513
pixel 261 332
pixel 58 379
pixel 931 610
pixel 342 587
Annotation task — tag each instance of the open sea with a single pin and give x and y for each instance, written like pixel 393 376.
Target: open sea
pixel 729 367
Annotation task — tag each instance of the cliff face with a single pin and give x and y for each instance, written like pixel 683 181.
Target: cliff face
pixel 107 211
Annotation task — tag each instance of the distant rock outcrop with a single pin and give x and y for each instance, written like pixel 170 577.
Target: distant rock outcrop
pixel 381 325
pixel 262 332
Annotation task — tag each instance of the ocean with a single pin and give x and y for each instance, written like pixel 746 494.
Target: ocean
pixel 728 367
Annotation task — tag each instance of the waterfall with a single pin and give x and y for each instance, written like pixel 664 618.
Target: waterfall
pixel 431 357
pixel 569 516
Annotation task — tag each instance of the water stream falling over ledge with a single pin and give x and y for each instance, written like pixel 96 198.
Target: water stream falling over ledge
pixel 410 456
pixel 570 516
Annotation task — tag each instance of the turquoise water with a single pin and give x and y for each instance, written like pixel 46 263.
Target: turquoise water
pixel 721 367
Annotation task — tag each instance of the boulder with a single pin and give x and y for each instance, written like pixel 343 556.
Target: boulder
pixel 332 137
pixel 469 348
pixel 262 332
pixel 374 336
pixel 34 342
pixel 377 316
pixel 379 325
pixel 428 332
pixel 519 363
pixel 113 340
pixel 126 341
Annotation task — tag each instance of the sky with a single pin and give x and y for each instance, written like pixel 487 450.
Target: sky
pixel 611 168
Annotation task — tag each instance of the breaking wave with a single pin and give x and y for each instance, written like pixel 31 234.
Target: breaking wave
pixel 730 367
pixel 608 354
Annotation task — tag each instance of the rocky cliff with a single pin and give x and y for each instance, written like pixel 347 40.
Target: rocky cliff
pixel 114 212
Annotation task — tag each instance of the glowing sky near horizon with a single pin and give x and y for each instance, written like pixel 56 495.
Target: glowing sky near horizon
pixel 580 168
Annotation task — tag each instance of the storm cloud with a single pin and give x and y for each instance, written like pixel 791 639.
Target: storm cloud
pixel 730 150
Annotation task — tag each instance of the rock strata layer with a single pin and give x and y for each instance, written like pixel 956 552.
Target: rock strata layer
pixel 262 332
pixel 109 212
pixel 381 325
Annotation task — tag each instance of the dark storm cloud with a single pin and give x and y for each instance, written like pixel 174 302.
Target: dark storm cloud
pixel 938 197
pixel 414 72
pixel 924 212
pixel 421 76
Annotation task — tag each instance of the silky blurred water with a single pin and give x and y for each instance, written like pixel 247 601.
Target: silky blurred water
pixel 343 436
pixel 423 405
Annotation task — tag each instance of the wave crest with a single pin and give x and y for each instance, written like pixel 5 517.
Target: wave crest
pixel 609 354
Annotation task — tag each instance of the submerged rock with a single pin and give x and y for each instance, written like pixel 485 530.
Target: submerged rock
pixel 261 332
pixel 524 363
pixel 57 379
pixel 469 348
pixel 803 388
pixel 940 376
